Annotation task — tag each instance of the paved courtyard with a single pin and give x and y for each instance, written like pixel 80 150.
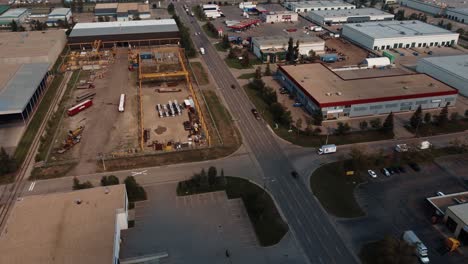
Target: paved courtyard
pixel 199 228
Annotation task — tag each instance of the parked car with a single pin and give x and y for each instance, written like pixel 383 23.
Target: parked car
pixel 391 170
pixel 297 104
pixel 372 173
pixel 414 166
pixel 255 113
pixel 402 169
pixel 385 172
pixel 440 194
pixel 395 169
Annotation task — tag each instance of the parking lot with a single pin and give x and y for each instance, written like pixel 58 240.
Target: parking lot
pixel 397 203
pixel 192 229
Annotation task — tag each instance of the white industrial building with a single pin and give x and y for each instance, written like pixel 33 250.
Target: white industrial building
pixel 398 34
pixel 307 6
pixel 274 48
pixel 73 227
pixel 349 16
pixel 63 14
pixel 458 14
pixel 16 14
pixel 452 70
pixel 431 7
pixel 279 16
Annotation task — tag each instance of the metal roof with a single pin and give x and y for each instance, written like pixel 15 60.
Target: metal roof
pixel 351 12
pixel 398 29
pixel 4 8
pixel 283 40
pixel 317 4
pixel 456 65
pixel 13 13
pixel 21 87
pixel 463 11
pixel 124 27
pixel 59 12
pixel 461 211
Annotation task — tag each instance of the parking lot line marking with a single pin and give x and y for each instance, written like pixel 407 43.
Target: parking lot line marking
pixel 31 187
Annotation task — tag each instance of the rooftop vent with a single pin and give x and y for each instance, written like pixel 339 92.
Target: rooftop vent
pixel 78 201
pixel 339 93
pixel 414 21
pixel 328 94
pixel 405 87
pixel 402 32
pixel 358 25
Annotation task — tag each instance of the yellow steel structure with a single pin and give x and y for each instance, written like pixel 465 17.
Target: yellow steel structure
pixel 182 73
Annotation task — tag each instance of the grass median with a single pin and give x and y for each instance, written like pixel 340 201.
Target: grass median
pixel 266 220
pixel 200 73
pixel 335 190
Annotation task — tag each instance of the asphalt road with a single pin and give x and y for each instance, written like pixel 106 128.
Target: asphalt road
pixel 308 221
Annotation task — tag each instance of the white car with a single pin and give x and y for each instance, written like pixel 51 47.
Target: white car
pixel 372 173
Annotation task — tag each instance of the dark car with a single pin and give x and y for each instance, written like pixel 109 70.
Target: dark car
pixel 391 170
pixel 402 169
pixel 414 166
pixel 255 113
pixel 396 169
pixel 233 86
pixel 294 174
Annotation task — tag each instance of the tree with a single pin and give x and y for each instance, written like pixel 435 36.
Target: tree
pixel 391 10
pixel 7 163
pixel 375 123
pixel 171 9
pixel 267 70
pixel 400 15
pixel 449 26
pixel 109 180
pixel 100 19
pixel 80 186
pixel 317 116
pixel 212 173
pixel 390 251
pixel 107 18
pixel 245 62
pixel 290 52
pixel 226 44
pixel 427 118
pixel 342 129
pixel 299 124
pixel 416 118
pixel 413 16
pixel 387 126
pixel 231 54
pixel 442 119
pixel 79 6
pixel 460 31
pixel 136 17
pixel 258 73
pixel 359 159
pixel 296 51
pixel 363 125
pixel 134 191
pixel 280 115
pixel 13 26
pixel 454 116
pixel 373 3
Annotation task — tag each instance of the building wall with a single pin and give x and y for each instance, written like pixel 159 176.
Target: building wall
pixel 421 6
pixel 109 40
pixel 459 82
pixel 348 19
pixel 459 17
pixel 401 42
pixel 292 7
pixel 267 18
pixel 369 109
pixel 304 48
pixel 460 224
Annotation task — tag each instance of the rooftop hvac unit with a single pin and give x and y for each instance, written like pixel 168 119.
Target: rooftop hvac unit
pixel 358 25
pixel 405 87
pixel 339 93
pixel 414 21
pixel 328 94
pixel 402 32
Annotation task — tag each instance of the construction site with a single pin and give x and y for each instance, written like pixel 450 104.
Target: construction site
pixel 126 101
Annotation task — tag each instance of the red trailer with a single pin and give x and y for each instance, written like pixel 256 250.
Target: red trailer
pixel 79 107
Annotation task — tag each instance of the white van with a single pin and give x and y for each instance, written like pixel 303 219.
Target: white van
pixel 202 51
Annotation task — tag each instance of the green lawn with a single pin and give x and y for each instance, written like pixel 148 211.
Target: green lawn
pixel 200 73
pixel 235 64
pixel 247 76
pixel 304 140
pixel 219 47
pixel 209 33
pixel 335 190
pixel 267 222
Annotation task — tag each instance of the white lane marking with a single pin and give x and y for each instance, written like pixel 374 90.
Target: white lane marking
pixel 135 173
pixel 31 187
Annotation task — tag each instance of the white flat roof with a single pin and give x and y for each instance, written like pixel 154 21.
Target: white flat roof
pixel 15 12
pixel 351 12
pixel 463 11
pixel 396 29
pixel 133 23
pixel 315 4
pixel 124 27
pixel 59 12
pixel 457 65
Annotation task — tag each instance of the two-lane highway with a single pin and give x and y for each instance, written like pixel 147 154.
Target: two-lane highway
pixel 307 220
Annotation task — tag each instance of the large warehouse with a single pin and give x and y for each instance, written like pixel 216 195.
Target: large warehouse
pixel 274 48
pixel 452 70
pixel 71 227
pixel 307 6
pixel 349 16
pixel 16 14
pixel 317 87
pixel 123 33
pixel 398 34
pixel 458 14
pixel 279 16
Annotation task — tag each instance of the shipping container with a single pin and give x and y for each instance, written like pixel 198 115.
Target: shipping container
pixel 122 103
pixel 85 96
pixel 329 57
pixel 389 55
pixel 79 107
pixel 145 55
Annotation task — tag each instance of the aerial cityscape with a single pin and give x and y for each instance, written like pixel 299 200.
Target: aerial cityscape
pixel 253 132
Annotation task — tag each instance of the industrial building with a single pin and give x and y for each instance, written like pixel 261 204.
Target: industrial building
pixel 279 16
pixel 454 209
pixel 307 6
pixel 349 16
pixel 122 11
pixel 4 8
pixel 458 14
pixel 274 48
pixel 124 33
pixel 25 60
pixel 73 227
pixel 398 34
pixel 16 14
pixel 318 87
pixel 63 14
pixel 452 70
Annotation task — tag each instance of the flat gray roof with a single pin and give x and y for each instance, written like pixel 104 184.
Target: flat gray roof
pixel 20 88
pixel 278 40
pixel 461 211
pixel 313 4
pixel 13 13
pixel 457 64
pixel 395 29
pixel 59 12
pixel 440 3
pixel 350 12
pixel 463 11
pixel 124 27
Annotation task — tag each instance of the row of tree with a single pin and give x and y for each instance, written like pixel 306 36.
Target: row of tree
pixel 135 191
pixel 385 127
pixel 202 182
pixel 185 39
pixel 7 163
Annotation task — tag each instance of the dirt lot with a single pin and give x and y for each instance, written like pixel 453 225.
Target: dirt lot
pixel 164 129
pixel 353 54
